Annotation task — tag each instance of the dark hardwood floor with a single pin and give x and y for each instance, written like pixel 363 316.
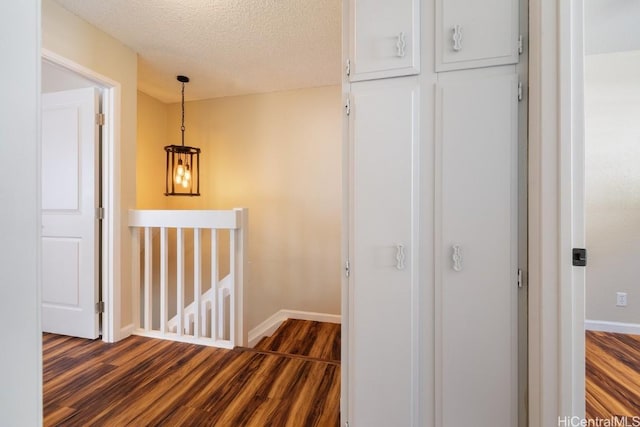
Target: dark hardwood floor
pixel 305 338
pixel 292 380
pixel 612 375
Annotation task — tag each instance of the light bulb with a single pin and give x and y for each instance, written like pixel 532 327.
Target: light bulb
pixel 178 179
pixel 180 168
pixel 187 174
pixel 185 183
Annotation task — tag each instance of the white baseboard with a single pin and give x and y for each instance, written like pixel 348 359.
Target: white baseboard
pixel 269 326
pixel 126 331
pixel 614 327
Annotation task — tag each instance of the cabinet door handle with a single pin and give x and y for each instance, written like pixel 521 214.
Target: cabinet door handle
pixel 456 257
pixel 401 45
pixel 457 38
pixel 400 257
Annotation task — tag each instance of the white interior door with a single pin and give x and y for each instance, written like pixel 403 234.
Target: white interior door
pixel 69 202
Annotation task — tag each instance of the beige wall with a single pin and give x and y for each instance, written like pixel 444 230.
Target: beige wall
pixel 279 155
pixel 150 158
pixel 612 110
pixel 80 42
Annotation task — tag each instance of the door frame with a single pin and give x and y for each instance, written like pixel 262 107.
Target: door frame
pixel 556 219
pixel 111 227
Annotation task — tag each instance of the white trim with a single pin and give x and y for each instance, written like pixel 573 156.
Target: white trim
pixel 571 188
pixel 613 327
pixel 346 226
pixel 229 219
pixel 556 382
pixel 111 274
pixel 170 336
pixel 242 276
pixel 269 326
pixel 311 315
pixel 128 330
pixel 543 240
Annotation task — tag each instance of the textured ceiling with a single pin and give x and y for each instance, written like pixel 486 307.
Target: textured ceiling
pixel 226 47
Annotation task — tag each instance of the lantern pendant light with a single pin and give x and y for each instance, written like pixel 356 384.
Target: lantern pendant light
pixel 183 163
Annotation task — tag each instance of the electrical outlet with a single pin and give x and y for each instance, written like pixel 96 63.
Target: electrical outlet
pixel 621 299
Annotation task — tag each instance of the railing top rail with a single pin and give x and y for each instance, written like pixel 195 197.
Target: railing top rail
pixel 230 219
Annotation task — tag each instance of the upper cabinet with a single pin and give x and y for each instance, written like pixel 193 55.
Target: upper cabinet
pixel 472 34
pixel 384 38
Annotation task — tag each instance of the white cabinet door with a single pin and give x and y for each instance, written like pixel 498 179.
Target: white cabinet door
pixel 69 202
pixel 471 34
pixel 476 249
pixel 384 38
pixel 383 243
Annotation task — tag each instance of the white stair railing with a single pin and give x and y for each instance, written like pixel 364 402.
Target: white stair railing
pixel 224 291
pixel 215 316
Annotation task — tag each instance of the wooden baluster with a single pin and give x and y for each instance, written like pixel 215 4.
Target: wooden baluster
pixel 214 284
pixel 180 280
pixel 135 275
pixel 148 252
pixel 222 319
pixel 232 287
pixel 197 285
pixel 164 272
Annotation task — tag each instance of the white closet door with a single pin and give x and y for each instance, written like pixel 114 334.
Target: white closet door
pixel 383 287
pixel 384 38
pixel 471 34
pixel 476 227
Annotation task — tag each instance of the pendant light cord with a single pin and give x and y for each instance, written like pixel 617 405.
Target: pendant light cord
pixel 182 127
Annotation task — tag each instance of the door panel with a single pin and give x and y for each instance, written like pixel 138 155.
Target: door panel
pixel 476 285
pixel 487 33
pixel 60 275
pixel 69 202
pixel 383 329
pixel 384 39
pixel 61 159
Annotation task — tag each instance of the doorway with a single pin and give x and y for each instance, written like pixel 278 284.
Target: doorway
pixel 557 211
pixel 61 74
pixel 612 208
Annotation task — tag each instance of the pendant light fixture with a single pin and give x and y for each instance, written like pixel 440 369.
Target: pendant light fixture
pixel 183 163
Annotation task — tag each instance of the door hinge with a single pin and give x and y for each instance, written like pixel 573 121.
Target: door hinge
pixel 100 119
pixel 520 279
pixel 519 91
pixel 347 268
pixel 347 67
pixel 100 307
pixel 347 106
pixel 100 213
pixel 520 44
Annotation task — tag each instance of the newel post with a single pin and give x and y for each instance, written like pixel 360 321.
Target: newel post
pixel 241 262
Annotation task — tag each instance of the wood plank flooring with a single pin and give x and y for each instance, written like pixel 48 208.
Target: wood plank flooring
pixel 306 338
pixel 147 382
pixel 612 375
